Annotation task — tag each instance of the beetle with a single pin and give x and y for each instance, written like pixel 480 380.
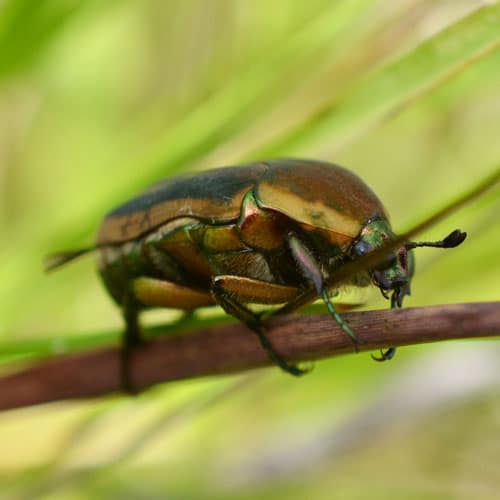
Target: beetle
pixel 260 233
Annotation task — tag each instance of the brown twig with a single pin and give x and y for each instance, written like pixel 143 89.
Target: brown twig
pixel 232 347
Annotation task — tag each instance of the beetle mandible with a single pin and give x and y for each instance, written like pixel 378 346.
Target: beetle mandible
pixel 255 234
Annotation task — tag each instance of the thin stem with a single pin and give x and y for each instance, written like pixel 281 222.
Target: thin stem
pixel 231 348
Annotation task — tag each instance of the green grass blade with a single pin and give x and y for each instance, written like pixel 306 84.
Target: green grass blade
pixel 392 88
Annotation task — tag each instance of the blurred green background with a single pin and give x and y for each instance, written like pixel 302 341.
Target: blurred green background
pixel 100 99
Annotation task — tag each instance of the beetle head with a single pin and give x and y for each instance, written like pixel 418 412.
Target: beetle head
pixel 394 272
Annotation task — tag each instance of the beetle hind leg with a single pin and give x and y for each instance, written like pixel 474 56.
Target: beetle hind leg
pixel 151 292
pixel 131 339
pixel 224 298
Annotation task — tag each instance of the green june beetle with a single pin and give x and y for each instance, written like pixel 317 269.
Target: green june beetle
pixel 255 234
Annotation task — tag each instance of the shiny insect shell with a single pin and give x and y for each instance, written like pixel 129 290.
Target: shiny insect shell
pixel 244 232
pixel 259 233
pixel 253 234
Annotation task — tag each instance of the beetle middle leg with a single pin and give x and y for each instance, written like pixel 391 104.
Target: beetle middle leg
pixel 230 291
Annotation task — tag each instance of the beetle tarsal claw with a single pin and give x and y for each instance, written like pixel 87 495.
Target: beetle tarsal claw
pixel 295 370
pixel 386 355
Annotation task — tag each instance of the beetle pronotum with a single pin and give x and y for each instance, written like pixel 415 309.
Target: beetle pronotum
pixel 254 234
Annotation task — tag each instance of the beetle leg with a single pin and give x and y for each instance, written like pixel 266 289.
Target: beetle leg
pixel 338 318
pixel 131 338
pixel 153 293
pixel 225 298
pixel 311 271
pixel 250 290
pixel 388 354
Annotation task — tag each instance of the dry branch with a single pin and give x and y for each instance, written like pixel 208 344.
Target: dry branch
pixel 231 348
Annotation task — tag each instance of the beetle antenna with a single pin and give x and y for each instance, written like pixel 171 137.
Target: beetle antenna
pixel 56 260
pixel 452 240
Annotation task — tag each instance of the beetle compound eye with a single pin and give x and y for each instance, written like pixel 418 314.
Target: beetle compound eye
pixel 362 247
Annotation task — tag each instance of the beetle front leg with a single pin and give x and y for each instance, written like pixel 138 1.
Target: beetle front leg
pixel 338 318
pixel 252 321
pixel 310 269
pixel 388 354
